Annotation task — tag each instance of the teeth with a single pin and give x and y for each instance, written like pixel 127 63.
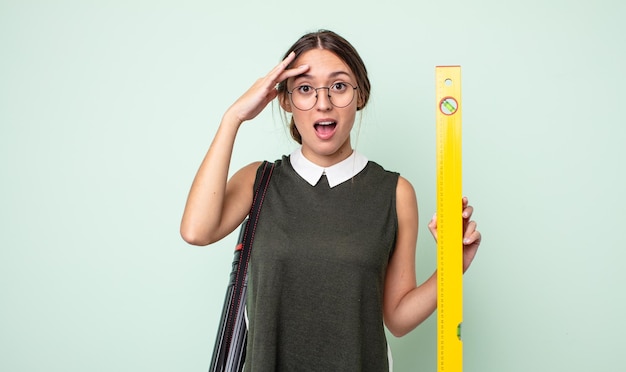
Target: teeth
pixel 326 122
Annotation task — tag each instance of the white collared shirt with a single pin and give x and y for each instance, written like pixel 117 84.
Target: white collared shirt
pixel 335 174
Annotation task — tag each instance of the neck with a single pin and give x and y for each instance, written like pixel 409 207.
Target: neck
pixel 327 160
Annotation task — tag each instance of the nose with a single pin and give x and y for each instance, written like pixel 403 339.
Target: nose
pixel 323 99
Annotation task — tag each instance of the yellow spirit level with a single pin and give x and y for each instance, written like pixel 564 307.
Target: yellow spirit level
pixel 449 220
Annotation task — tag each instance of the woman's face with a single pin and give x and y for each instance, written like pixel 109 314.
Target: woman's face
pixel 325 128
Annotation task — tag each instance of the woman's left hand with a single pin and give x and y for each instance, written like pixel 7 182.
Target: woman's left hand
pixel 471 236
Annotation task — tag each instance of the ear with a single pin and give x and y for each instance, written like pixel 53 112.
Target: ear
pixel 285 103
pixel 359 102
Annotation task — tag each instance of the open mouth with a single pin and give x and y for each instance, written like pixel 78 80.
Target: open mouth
pixel 325 127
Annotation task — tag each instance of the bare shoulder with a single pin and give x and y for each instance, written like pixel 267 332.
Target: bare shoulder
pixel 405 196
pixel 238 199
pixel 240 187
pixel 406 211
pixel 246 175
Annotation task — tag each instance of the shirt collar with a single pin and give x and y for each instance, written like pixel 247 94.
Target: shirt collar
pixel 335 174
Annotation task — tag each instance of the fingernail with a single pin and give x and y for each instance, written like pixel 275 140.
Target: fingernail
pixel 465 241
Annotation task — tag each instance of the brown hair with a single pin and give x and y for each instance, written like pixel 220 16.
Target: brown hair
pixel 328 40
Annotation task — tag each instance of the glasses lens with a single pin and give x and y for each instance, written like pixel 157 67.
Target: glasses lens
pixel 341 94
pixel 304 97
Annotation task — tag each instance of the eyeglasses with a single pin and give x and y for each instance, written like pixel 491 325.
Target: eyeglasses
pixel 304 97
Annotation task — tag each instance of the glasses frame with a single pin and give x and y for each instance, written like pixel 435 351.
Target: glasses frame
pixel 330 98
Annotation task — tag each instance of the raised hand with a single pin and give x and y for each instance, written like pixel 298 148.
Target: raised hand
pixel 214 207
pixel 263 91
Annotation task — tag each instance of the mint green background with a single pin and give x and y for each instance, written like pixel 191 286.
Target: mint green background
pixel 107 107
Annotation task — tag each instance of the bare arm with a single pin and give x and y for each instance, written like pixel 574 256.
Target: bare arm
pixel 214 206
pixel 406 305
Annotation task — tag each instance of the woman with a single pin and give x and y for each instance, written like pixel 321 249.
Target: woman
pixel 334 251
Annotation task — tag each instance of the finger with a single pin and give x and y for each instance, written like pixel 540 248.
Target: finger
pixel 292 72
pixel 433 221
pixel 274 75
pixel 468 211
pixel 432 226
pixel 282 65
pixel 474 238
pixel 470 228
pixel 470 233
